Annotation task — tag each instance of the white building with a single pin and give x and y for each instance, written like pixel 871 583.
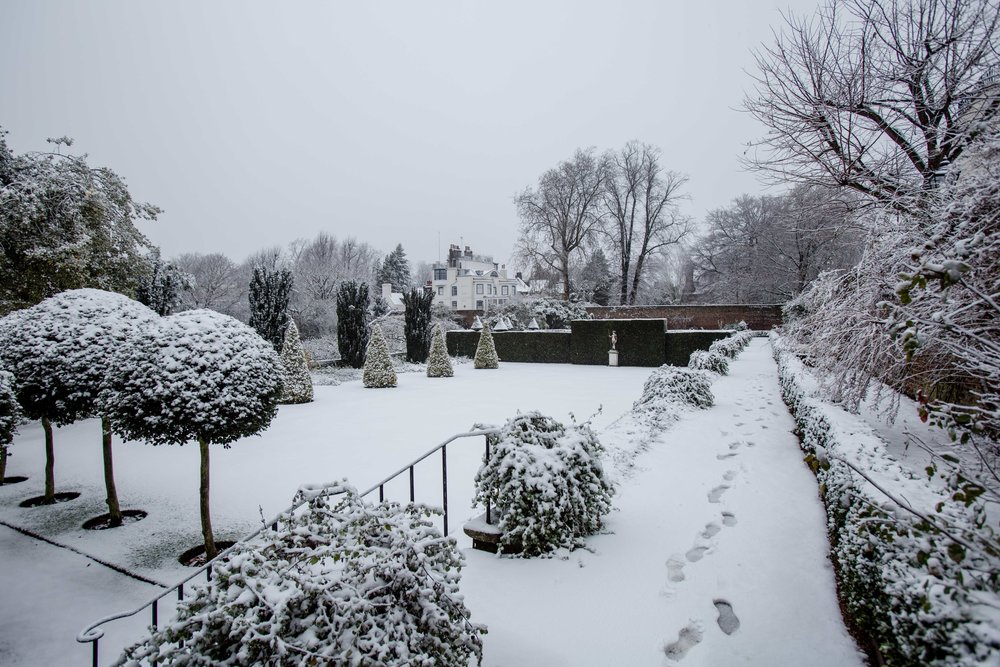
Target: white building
pixel 472 282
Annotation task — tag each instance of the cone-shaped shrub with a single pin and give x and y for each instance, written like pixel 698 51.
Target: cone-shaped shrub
pixel 438 361
pixel 297 384
pixel 486 352
pixel 379 372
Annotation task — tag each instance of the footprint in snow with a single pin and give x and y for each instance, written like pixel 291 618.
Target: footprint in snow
pixel 723 457
pixel 738 424
pixel 687 638
pixel 695 554
pixel 675 568
pixel 711 530
pixel 729 476
pixel 728 519
pixel 723 433
pixel 728 621
pixel 716 494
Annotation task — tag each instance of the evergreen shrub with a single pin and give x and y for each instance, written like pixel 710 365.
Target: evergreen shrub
pixel 438 361
pixel 709 361
pixel 486 351
pixel 379 373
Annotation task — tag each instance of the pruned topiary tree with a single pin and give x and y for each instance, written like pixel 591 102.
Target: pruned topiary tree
pixel 438 361
pixel 62 352
pixel 197 375
pixel 270 290
pixel 352 322
pixel 379 373
pixel 418 324
pixel 296 386
pixel 546 483
pixel 486 350
pixel 340 583
pixel 10 417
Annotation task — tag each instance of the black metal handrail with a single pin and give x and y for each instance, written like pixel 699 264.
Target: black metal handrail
pixel 93 633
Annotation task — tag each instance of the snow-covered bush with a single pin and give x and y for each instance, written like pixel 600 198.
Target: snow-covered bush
pixel 731 346
pixel 913 575
pixel 669 391
pixel 62 352
pixel 379 373
pixel 10 417
pixel 341 583
pixel 558 314
pixel 438 361
pixel 486 351
pixel 709 361
pixel 296 386
pixel 546 484
pixel 197 375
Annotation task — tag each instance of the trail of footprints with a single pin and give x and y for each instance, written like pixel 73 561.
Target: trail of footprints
pixel 692 634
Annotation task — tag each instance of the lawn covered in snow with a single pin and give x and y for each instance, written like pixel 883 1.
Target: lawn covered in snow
pixel 715 554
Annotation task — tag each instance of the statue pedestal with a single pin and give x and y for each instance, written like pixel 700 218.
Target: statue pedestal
pixel 612 357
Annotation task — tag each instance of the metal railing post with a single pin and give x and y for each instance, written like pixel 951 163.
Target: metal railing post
pixel 444 485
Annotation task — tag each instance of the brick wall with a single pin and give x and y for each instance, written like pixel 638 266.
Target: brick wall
pixel 758 317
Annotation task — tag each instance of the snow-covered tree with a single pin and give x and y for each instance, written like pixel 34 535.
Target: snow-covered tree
pixel 62 352
pixel 270 290
pixel 418 323
pixel 486 350
pixel 395 270
pixel 64 225
pixel 379 373
pixel 546 483
pixel 10 417
pixel 709 361
pixel 340 583
pixel 161 290
pixel 296 386
pixel 352 322
pixel 438 361
pixel 197 375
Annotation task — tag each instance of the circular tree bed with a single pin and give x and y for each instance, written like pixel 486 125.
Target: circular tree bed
pixel 195 556
pixel 103 522
pixel 16 479
pixel 39 501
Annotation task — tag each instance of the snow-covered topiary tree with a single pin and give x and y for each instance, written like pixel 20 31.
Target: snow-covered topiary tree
pixel 486 351
pixel 341 583
pixel 296 386
pixel 379 373
pixel 197 375
pixel 546 483
pixel 709 361
pixel 352 322
pixel 418 323
pixel 10 417
pixel 62 352
pixel 438 361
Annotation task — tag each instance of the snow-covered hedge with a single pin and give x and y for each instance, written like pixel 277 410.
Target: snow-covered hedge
pixel 732 345
pixel 341 583
pixel 919 596
pixel 546 484
pixel 438 361
pixel 379 373
pixel 709 361
pixel 668 391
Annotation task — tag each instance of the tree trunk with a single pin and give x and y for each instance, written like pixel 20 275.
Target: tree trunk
pixel 565 277
pixel 50 463
pixel 3 463
pixel 114 509
pixel 206 519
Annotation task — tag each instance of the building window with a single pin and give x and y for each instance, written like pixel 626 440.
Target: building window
pixel 479 289
pixel 454 290
pixel 479 304
pixel 513 290
pixel 441 291
pixel 503 290
pixel 440 274
pixel 454 305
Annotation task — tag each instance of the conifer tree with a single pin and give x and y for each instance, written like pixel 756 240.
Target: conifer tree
pixel 10 416
pixel 379 373
pixel 486 351
pixel 395 270
pixel 270 291
pixel 161 291
pixel 438 362
pixel 297 383
pixel 352 322
pixel 417 324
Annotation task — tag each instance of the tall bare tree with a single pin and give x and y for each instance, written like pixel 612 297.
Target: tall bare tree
pixel 217 282
pixel 562 214
pixel 640 200
pixel 876 95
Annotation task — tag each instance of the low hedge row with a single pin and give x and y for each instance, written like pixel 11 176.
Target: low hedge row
pixel 911 595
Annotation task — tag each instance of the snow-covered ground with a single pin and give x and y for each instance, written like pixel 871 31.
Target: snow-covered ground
pixel 716 553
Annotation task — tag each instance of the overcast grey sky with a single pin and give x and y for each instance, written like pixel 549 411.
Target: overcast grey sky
pixel 255 123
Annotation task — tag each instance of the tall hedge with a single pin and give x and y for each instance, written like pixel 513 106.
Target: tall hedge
pixel 417 327
pixel 352 322
pixel 270 291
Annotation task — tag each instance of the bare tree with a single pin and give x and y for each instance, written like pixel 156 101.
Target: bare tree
pixel 562 213
pixel 640 200
pixel 217 285
pixel 875 95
